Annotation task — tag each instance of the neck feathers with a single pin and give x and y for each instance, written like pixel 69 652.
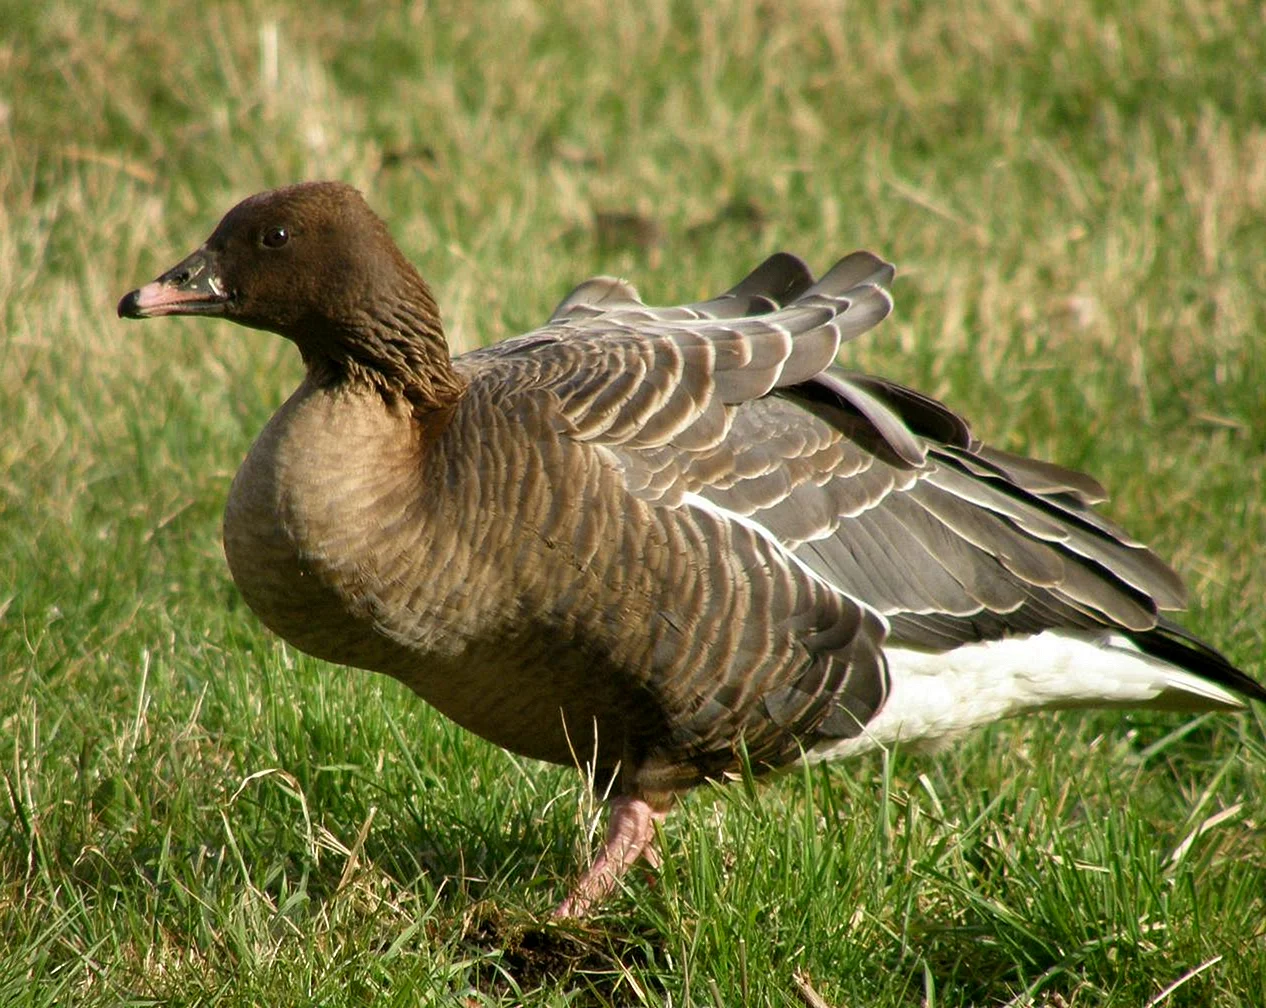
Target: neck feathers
pixel 396 346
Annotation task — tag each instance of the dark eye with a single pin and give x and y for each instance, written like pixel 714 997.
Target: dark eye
pixel 274 237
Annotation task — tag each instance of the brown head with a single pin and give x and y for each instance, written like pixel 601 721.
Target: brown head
pixel 312 262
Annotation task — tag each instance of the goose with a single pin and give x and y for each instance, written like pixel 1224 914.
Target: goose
pixel 667 544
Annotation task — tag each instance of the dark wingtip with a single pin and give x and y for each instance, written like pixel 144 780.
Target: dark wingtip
pixel 1172 643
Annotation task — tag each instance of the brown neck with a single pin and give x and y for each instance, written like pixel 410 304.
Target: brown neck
pixel 397 348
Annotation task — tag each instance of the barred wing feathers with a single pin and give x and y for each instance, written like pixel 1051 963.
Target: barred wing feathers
pixel 843 488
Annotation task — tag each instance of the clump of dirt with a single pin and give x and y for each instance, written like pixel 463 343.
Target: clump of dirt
pixel 580 957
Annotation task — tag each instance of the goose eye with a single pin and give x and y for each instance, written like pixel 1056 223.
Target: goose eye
pixel 274 237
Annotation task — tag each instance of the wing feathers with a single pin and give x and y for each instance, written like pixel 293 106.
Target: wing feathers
pixel 596 296
pixel 857 269
pixel 780 279
pixel 835 507
pixel 885 421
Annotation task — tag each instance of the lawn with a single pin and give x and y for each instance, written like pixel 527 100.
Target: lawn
pixel 194 814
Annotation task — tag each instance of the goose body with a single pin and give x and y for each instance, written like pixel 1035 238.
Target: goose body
pixel 660 540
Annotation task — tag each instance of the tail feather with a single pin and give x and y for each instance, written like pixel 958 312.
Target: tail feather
pixel 936 696
pixel 1170 643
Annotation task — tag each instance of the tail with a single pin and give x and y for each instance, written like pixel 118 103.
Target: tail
pixel 935 696
pixel 1172 645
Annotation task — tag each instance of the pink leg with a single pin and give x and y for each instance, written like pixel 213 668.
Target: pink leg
pixel 630 832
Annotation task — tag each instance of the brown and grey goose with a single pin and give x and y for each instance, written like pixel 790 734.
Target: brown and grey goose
pixel 663 541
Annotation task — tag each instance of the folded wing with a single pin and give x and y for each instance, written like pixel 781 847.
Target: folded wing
pixel 733 410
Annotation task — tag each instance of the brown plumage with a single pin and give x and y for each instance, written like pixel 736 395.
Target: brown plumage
pixel 658 538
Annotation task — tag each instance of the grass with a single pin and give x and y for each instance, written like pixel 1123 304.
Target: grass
pixel 194 814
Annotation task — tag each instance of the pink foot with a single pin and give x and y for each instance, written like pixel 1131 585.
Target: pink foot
pixel 630 832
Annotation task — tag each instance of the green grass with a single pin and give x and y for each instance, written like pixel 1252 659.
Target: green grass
pixel 193 814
